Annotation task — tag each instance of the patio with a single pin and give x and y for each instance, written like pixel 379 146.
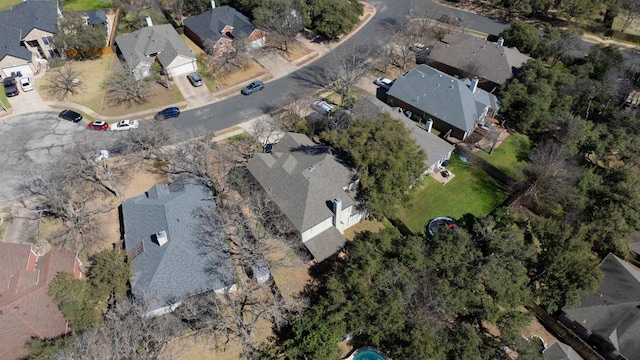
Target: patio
pixel 439 176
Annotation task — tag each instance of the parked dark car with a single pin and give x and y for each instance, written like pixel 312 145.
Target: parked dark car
pixel 253 87
pixel 195 79
pixel 70 115
pixel 10 87
pixel 167 113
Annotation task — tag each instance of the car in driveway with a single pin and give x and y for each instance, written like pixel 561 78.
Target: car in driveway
pixel 124 125
pixel 384 82
pixel 253 87
pixel 167 113
pixel 25 84
pixel 98 125
pixel 323 107
pixel 70 115
pixel 10 87
pixel 195 79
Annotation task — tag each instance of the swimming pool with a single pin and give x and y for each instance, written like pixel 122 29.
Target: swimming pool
pixel 368 354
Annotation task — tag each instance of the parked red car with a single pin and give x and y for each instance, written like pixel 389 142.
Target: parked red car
pixel 98 125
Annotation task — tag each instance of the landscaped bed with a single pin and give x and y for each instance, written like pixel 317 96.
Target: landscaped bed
pixel 511 156
pixel 471 191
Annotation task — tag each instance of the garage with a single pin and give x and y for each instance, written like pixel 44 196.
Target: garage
pixel 22 69
pixel 181 65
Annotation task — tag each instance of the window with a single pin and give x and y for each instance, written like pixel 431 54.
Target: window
pixel 47 40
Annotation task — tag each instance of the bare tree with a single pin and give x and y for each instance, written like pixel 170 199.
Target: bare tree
pixel 632 11
pixel 283 19
pixel 222 59
pixel 564 46
pixel 65 80
pixel 123 87
pixel 350 65
pixel 422 14
pixel 267 129
pixel 176 7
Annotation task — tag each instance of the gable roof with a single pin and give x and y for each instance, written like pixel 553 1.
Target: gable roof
pixel 26 310
pixel 560 351
pixel 613 311
pixel 16 23
pixel 443 96
pixel 482 58
pixel 96 17
pixel 209 25
pixel 179 268
pixel 302 178
pixel 159 40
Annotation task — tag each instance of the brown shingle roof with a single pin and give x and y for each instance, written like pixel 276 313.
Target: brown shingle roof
pixel 25 308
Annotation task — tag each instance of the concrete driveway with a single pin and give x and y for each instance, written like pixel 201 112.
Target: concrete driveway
pixel 195 96
pixel 28 102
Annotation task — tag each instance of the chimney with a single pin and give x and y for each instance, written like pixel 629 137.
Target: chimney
pixel 474 84
pixel 337 209
pixel 213 4
pixel 429 124
pixel 161 237
pixel 149 22
pixel 500 41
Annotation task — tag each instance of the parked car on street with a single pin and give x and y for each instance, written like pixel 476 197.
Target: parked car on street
pixel 98 125
pixel 253 87
pixel 124 125
pixel 195 79
pixel 25 84
pixel 10 87
pixel 384 82
pixel 167 113
pixel 323 107
pixel 70 115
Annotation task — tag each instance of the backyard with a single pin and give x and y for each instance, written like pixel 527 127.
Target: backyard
pixel 471 191
pixel 510 156
pixel 87 4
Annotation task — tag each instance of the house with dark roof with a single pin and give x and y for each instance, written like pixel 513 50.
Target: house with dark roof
pixel 560 351
pixel 26 310
pixel 220 27
pixel 162 241
pixel 312 188
pixel 609 319
pixel 27 37
pixel 456 107
pixel 468 56
pixel 140 49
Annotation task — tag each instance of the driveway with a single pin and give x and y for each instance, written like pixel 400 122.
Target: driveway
pixel 28 102
pixel 195 96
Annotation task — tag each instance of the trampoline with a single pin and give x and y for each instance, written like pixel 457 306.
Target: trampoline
pixel 440 222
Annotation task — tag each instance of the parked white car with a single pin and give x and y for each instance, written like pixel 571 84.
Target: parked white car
pixel 97 155
pixel 124 125
pixel 323 107
pixel 384 82
pixel 26 84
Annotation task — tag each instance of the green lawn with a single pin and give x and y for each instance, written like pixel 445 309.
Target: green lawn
pixel 87 4
pixel 633 29
pixel 470 191
pixel 3 98
pixel 7 4
pixel 511 156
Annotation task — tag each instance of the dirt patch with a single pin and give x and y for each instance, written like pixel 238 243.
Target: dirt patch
pixel 535 329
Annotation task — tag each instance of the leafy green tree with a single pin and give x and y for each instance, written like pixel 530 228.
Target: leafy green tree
pixel 47 348
pixel 109 274
pixel 312 339
pixel 386 157
pixel 603 58
pixel 579 9
pixel 76 300
pixel 84 40
pixel 523 36
pixel 332 18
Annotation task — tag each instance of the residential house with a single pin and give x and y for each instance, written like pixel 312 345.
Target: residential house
pixel 560 351
pixel 468 56
pixel 312 188
pixel 26 310
pixel 170 262
pixel 609 319
pixel 456 107
pixel 27 37
pixel 220 27
pixel 140 49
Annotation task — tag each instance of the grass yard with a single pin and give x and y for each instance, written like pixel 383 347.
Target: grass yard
pixel 633 28
pixel 160 97
pixel 250 70
pixel 296 51
pixel 87 4
pixel 471 191
pixel 8 4
pixel 92 73
pixel 510 156
pixel 3 98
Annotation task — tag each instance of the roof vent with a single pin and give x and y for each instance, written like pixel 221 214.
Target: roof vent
pixel 161 237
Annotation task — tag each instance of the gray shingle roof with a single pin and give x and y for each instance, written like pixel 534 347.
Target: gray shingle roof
pixel 302 178
pixel 560 351
pixel 209 24
pixel 96 17
pixel 325 244
pixel 485 59
pixel 162 40
pixel 16 23
pixel 613 311
pixel 179 268
pixel 442 96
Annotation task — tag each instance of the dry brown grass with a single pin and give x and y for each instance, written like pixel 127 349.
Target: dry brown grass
pixel 250 70
pixel 296 51
pixel 373 226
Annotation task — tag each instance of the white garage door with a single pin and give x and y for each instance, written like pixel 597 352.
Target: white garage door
pixel 23 69
pixel 182 69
